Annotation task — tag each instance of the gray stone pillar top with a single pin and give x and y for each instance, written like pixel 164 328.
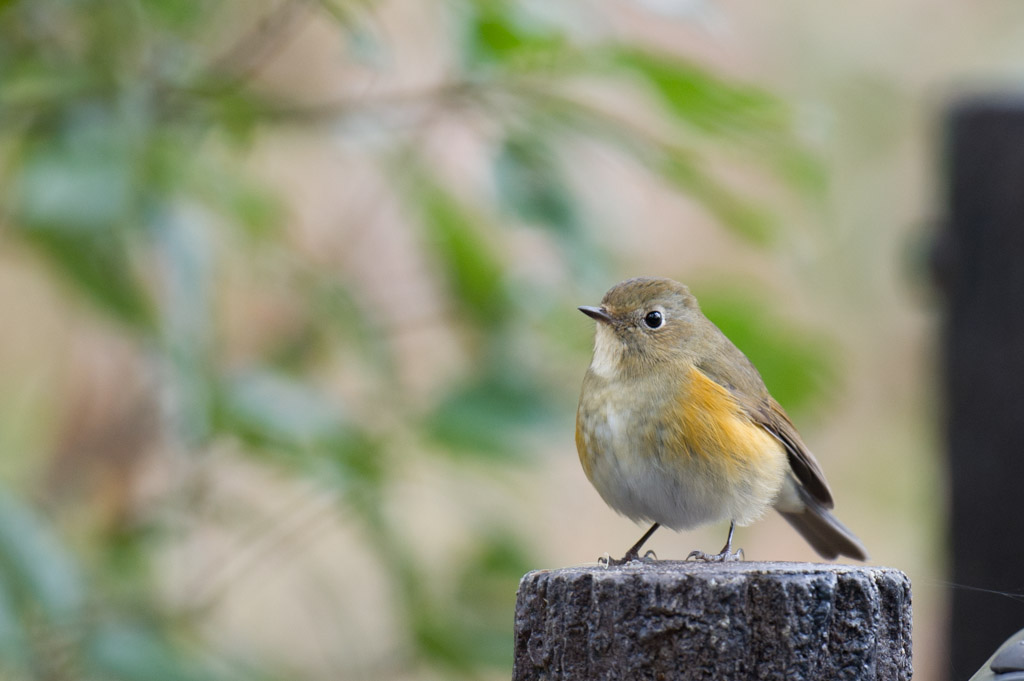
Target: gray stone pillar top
pixel 686 620
pixel 675 568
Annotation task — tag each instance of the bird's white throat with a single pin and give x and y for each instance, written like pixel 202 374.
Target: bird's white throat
pixel 608 351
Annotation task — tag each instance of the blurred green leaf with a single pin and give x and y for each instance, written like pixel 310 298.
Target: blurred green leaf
pixel 72 199
pixel 530 185
pixel 798 366
pixel 133 652
pixel 35 565
pixel 488 416
pixel 178 14
pixel 455 234
pixel 298 427
pixel 337 304
pixel 237 113
pixel 244 201
pixel 272 410
pixel 706 102
pixel 486 594
pixel 682 167
pixel 437 640
pixel 748 220
pixel 801 168
pixel 99 267
pixel 737 112
pixel 33 83
pixel 14 647
pixel 473 627
pixel 77 178
pixel 181 240
pixel 503 33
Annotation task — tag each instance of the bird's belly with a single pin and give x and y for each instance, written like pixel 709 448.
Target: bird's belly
pixel 679 474
pixel 678 499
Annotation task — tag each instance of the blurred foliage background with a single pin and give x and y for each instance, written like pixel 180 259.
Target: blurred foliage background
pixel 290 351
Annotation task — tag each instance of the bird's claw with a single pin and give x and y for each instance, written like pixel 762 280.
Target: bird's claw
pixel 607 561
pixel 726 556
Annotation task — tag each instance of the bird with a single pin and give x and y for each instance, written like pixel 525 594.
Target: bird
pixel 675 427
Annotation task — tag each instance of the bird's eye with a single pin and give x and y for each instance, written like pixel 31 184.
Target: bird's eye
pixel 653 319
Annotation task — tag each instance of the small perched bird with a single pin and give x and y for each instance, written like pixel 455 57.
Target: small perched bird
pixel 676 427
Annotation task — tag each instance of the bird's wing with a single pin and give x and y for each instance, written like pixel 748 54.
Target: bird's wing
pixel 770 416
pixel 749 391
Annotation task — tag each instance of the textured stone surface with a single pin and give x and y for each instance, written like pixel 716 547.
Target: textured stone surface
pixel 672 620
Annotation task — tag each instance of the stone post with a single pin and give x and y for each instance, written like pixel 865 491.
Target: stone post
pixel 671 620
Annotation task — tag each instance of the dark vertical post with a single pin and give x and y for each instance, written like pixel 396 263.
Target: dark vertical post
pixel 981 265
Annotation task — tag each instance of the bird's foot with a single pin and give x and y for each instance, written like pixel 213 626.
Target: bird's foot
pixel 726 556
pixel 631 557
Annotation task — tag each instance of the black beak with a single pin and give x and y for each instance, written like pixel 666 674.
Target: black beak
pixel 598 313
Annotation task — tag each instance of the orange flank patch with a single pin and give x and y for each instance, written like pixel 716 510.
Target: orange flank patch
pixel 711 425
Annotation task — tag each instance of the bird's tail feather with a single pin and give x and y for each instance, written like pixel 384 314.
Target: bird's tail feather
pixel 823 531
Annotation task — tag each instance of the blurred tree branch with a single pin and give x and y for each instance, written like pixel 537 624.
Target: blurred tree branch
pixel 242 58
